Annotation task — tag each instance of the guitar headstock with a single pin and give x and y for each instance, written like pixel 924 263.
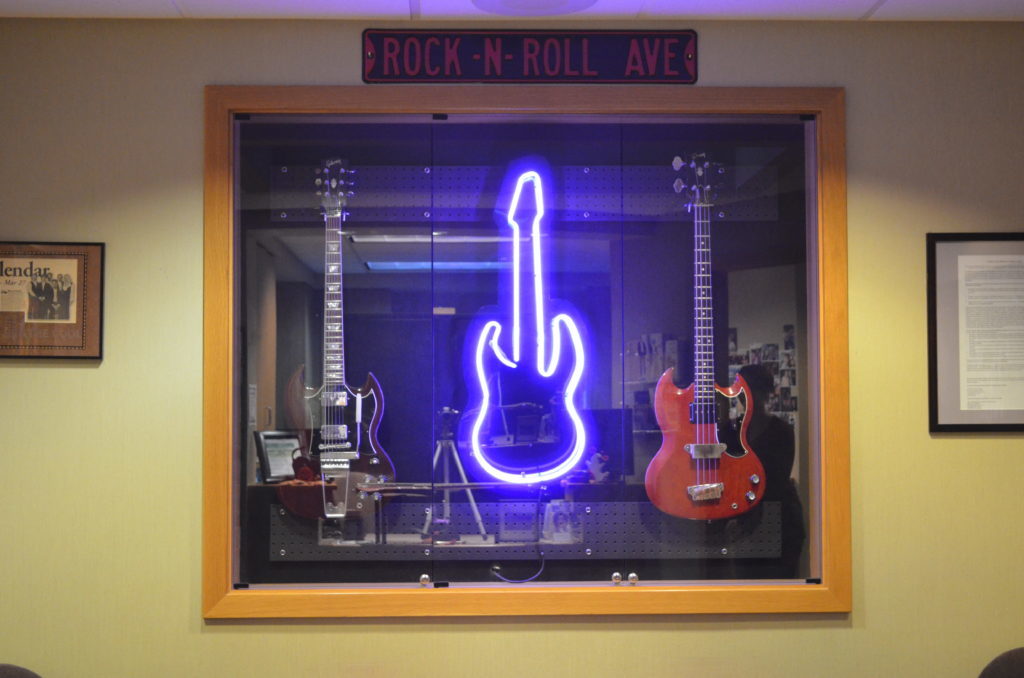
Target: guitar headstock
pixel 697 178
pixel 333 186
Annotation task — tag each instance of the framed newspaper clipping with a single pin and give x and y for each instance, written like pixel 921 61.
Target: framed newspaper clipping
pixel 51 300
pixel 976 332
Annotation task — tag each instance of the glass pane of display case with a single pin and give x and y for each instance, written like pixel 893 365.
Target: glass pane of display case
pixel 493 349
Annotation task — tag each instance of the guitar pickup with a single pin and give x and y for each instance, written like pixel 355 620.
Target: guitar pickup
pixel 334 432
pixel 707 451
pixel 706 491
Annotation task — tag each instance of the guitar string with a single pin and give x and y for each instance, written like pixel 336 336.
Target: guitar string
pixel 334 371
pixel 698 335
pixel 704 336
pixel 709 341
pixel 707 468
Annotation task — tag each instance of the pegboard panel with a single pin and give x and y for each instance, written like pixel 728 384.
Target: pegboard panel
pixel 469 194
pixel 382 193
pixel 607 530
pixel 591 193
pixel 465 193
pixel 639 530
pixel 648 194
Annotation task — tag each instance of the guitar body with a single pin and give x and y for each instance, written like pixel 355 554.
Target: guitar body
pixel 362 416
pixel 726 486
pixel 523 425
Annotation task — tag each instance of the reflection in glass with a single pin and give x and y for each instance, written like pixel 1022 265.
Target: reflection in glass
pixel 526 295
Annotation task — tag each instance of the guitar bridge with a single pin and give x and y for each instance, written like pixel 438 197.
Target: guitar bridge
pixel 706 491
pixel 333 466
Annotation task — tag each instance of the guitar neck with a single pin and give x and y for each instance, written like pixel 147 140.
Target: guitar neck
pixel 703 311
pixel 334 330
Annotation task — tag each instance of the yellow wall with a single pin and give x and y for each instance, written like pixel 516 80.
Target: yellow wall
pixel 101 139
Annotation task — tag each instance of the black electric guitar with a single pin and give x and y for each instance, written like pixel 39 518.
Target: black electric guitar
pixel 347 447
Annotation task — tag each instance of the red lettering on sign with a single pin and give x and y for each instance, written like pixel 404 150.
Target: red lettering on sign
pixel 552 57
pixel 586 58
pixel 451 56
pixel 634 65
pixel 643 58
pixel 531 48
pixel 427 62
pixel 412 56
pixel 568 58
pixel 391 48
pixel 651 55
pixel 669 56
pixel 492 56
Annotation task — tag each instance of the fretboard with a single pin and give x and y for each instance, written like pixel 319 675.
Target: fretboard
pixel 703 315
pixel 334 329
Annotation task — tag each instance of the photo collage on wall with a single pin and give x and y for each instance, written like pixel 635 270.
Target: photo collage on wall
pixel 780 360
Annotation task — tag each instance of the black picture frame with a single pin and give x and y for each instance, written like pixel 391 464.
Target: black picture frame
pixel 275 450
pixel 991 274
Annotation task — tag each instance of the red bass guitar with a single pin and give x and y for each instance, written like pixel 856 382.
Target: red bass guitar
pixel 693 475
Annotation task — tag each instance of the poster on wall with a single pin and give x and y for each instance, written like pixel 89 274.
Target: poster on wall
pixel 51 300
pixel 976 331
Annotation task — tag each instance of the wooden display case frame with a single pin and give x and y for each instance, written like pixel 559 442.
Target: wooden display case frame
pixel 827 303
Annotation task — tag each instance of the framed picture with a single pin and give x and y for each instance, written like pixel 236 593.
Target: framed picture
pixel 276 449
pixel 51 300
pixel 976 332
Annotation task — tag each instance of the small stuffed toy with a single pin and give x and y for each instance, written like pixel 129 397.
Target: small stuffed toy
pixel 596 467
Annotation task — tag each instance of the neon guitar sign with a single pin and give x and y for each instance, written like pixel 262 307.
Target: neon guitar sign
pixel 527 426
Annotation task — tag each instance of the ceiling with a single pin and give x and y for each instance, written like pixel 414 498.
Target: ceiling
pixel 482 10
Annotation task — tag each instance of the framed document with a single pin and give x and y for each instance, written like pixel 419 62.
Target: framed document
pixel 276 450
pixel 51 300
pixel 976 332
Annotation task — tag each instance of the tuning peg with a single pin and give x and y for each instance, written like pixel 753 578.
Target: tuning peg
pixel 678 185
pixel 677 163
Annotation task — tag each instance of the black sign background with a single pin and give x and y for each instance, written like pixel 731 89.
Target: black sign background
pixel 667 57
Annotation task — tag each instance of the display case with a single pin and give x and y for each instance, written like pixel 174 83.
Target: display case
pixel 523 350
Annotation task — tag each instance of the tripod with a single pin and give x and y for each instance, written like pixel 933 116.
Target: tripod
pixel 446 452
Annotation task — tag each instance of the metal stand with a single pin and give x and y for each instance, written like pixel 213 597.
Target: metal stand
pixel 446 452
